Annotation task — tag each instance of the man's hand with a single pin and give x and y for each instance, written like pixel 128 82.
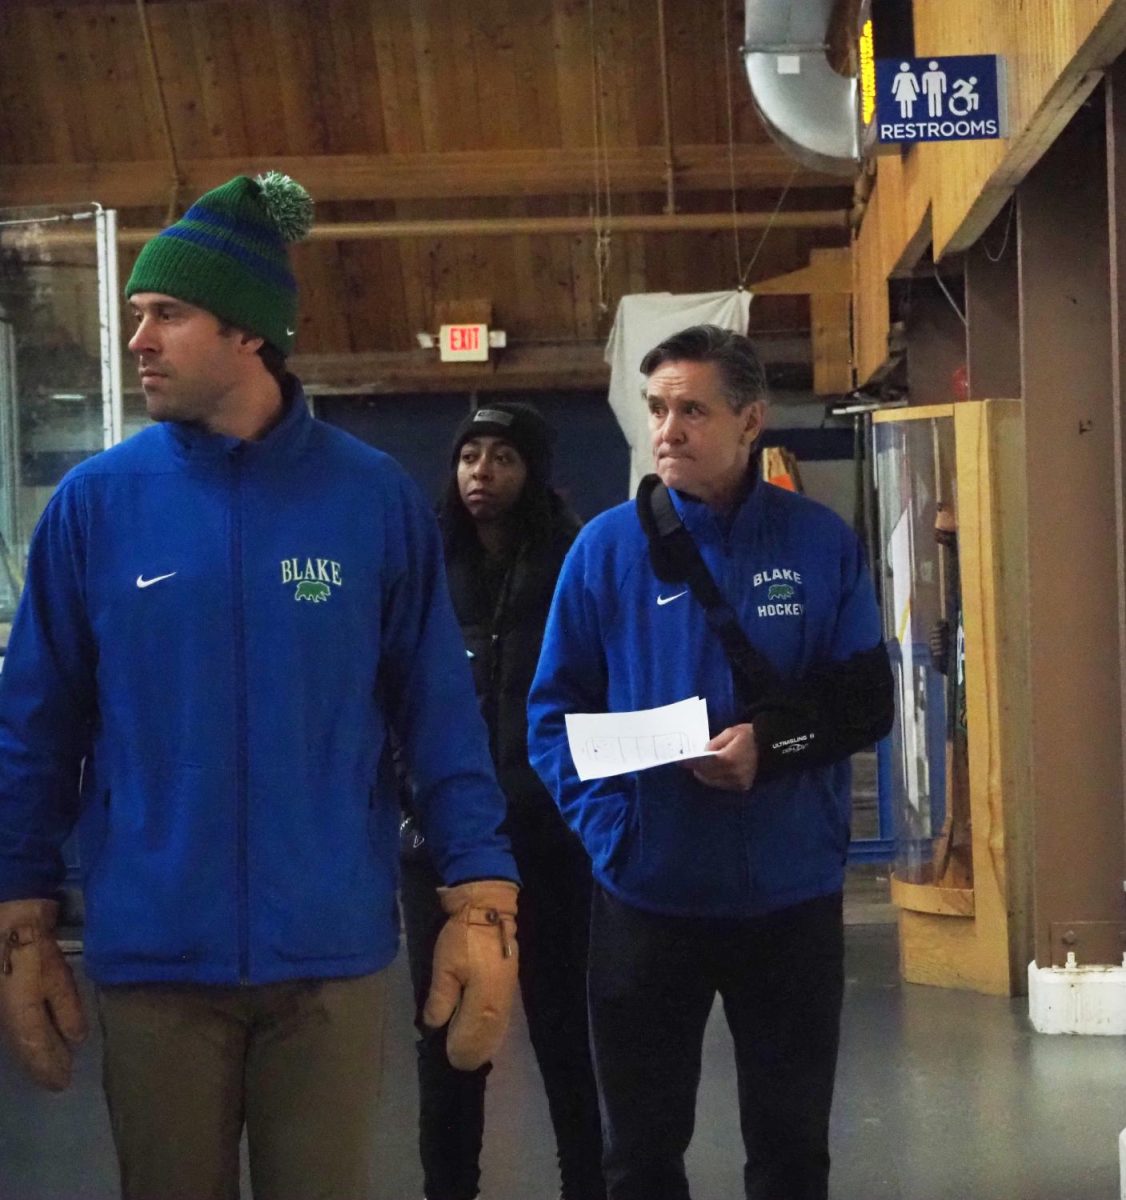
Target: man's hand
pixel 41 1015
pixel 734 767
pixel 474 978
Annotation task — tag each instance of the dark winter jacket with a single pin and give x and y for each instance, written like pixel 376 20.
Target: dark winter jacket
pixel 502 609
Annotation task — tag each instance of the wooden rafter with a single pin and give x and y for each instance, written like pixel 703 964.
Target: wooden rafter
pixel 545 172
pixel 529 367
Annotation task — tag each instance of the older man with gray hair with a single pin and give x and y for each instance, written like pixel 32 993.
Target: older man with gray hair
pixel 720 875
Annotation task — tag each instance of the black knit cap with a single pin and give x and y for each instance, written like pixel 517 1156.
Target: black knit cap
pixel 519 424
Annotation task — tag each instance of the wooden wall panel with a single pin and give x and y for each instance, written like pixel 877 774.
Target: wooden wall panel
pixel 1076 751
pixel 69 76
pixel 428 89
pixel 414 261
pixel 17 103
pixel 871 312
pixel 172 44
pixel 14 42
pixel 354 33
pixel 642 66
pixel 506 291
pixel 832 347
pixel 534 66
pixel 52 100
pixel 133 74
pixel 256 72
pixel 1054 51
pixel 455 86
pixel 334 61
pixel 89 71
pixel 620 65
pixel 289 36
pixel 573 81
pixel 398 97
pixel 699 118
pixel 220 94
pixel 498 105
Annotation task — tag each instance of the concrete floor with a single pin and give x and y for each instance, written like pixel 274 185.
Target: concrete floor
pixel 941 1096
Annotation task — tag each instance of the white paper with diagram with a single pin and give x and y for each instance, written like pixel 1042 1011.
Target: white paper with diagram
pixel 605 744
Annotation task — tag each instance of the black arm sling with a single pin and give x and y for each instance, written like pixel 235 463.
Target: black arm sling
pixel 831 712
pixel 676 558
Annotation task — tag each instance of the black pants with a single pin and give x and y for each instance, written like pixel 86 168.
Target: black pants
pixel 552 930
pixel 653 980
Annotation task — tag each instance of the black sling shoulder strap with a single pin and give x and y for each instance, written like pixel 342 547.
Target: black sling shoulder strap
pixel 676 558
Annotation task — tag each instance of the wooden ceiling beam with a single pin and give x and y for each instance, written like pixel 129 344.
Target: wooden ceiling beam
pixel 829 273
pixel 570 366
pixel 562 366
pixel 447 175
pixel 111 5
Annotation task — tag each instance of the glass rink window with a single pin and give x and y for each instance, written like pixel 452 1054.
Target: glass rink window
pixel 60 365
pixel 924 629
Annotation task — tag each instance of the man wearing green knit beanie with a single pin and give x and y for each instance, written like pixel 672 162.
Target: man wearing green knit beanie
pixel 227 257
pixel 223 620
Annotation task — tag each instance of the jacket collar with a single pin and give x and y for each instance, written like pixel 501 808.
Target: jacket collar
pixel 196 445
pixel 705 524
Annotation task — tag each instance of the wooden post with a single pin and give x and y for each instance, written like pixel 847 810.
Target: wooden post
pixel 1073 572
pixel 1116 181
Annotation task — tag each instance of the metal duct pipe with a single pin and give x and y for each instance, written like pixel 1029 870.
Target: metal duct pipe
pixel 807 108
pixel 362 231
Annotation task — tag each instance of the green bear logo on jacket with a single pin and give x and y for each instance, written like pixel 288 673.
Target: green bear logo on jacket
pixel 310 589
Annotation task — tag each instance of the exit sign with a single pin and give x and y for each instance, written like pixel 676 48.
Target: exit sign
pixel 464 343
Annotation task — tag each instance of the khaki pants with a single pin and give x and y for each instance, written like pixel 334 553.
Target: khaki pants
pixel 186 1067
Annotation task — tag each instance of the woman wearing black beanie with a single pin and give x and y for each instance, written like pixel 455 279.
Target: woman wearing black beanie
pixel 506 532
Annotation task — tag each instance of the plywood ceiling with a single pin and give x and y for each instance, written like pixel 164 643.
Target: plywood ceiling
pixel 424 110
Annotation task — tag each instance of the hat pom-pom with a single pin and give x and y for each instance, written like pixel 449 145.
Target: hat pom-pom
pixel 290 206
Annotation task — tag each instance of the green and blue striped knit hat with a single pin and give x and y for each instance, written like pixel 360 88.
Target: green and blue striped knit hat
pixel 228 254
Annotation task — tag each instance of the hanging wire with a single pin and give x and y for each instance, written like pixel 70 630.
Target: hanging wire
pixel 731 144
pixel 1005 239
pixel 603 243
pixel 946 293
pixel 177 182
pixel 769 226
pixel 602 210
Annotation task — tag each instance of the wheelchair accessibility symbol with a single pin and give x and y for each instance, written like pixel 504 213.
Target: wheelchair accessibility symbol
pixel 963 99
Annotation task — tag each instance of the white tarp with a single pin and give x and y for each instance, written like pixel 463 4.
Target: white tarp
pixel 639 324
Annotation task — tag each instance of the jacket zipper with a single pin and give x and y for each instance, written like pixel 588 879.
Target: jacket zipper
pixel 240 713
pixel 495 627
pixel 726 539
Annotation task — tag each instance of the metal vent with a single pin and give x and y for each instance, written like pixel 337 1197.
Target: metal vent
pixel 805 105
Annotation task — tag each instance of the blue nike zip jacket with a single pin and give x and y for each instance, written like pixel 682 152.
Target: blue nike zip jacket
pixel 225 630
pixel 618 639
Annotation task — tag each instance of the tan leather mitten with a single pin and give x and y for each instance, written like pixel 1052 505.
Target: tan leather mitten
pixel 41 1017
pixel 475 962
